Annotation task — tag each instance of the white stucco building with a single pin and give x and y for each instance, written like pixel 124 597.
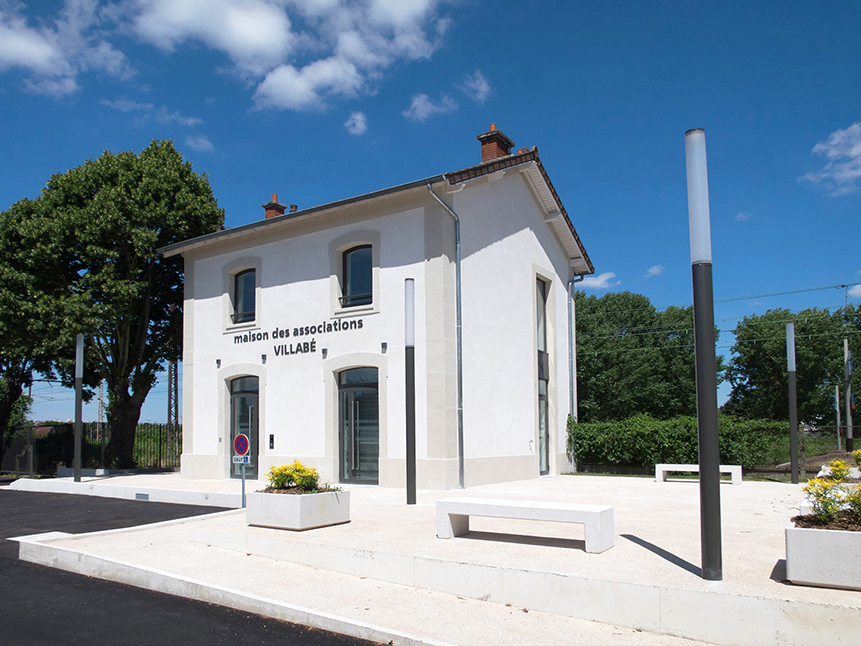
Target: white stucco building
pixel 294 330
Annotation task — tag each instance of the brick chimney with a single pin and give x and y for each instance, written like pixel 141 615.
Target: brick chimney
pixel 494 144
pixel 273 209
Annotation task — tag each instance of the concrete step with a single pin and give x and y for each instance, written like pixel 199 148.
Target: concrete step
pixel 715 614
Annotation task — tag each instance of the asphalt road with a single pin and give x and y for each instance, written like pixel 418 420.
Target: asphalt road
pixel 43 606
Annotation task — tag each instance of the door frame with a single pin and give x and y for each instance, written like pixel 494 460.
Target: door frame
pixel 224 449
pixel 343 470
pixel 388 474
pixel 254 430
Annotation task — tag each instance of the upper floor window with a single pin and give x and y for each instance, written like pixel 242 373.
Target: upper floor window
pixel 244 288
pixel 357 275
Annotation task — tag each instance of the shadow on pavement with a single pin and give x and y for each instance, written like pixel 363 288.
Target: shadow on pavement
pixel 664 554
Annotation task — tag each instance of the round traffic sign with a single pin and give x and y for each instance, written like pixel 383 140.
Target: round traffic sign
pixel 241 445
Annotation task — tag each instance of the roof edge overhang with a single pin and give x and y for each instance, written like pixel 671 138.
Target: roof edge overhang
pixel 555 215
pixel 282 220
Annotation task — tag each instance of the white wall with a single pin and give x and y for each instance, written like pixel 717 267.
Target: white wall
pixel 506 245
pixel 295 276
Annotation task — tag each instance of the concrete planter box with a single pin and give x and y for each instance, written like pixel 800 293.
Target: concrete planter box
pixel 827 558
pixel 297 512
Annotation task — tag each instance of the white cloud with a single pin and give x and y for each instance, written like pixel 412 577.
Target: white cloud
pixel 842 173
pixel 654 270
pixel 855 291
pixel 161 114
pixel 476 86
pixel 423 108
pixel 255 34
pixel 743 216
pixel 357 123
pixel 199 143
pixel 308 52
pixel 32 49
pixel 53 87
pixel 308 88
pixel 300 54
pixel 56 53
pixel 124 104
pixel 601 281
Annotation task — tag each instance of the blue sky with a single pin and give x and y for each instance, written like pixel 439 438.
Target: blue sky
pixel 318 100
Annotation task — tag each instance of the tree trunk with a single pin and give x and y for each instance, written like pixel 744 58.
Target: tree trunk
pixel 12 392
pixel 123 416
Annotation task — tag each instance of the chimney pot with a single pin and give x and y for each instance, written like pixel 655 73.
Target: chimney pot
pixel 494 144
pixel 293 208
pixel 273 209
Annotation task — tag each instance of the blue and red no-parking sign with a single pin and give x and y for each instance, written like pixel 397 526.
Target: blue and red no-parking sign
pixel 241 445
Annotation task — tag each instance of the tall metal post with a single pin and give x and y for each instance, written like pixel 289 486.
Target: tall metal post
pixel 410 356
pixel 847 375
pixel 839 419
pixel 704 340
pixel 793 400
pixel 79 399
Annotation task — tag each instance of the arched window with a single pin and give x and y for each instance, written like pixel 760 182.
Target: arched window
pixel 357 277
pixel 244 289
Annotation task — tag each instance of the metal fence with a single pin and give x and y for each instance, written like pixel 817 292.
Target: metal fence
pixel 41 449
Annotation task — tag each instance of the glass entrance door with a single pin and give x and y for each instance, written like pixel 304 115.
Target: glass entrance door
pixel 359 420
pixel 243 419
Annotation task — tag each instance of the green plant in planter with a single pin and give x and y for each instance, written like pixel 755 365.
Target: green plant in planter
pixel 826 496
pixel 294 475
pixel 839 470
pixel 857 455
pixel 853 502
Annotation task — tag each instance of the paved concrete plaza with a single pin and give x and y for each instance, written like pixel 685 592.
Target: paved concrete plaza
pixel 385 575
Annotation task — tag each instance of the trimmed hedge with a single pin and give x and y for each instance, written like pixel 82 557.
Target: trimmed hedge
pixel 645 441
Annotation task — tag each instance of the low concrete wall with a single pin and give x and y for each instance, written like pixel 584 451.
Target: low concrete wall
pixel 151 494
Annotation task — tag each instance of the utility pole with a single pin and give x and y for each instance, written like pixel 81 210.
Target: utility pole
pixel 173 432
pixel 172 409
pixel 847 375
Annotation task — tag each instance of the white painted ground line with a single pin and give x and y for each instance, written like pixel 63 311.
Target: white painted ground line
pixel 34 550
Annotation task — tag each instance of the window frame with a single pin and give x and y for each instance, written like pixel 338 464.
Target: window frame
pixel 349 300
pixel 239 293
pixel 338 248
pixel 230 273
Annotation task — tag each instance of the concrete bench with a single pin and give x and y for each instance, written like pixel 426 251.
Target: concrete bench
pixel 661 470
pixel 453 517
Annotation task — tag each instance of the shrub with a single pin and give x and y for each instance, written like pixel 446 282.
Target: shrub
pixel 294 475
pixel 826 496
pixel 839 470
pixel 644 441
pixel 853 502
pixel 857 455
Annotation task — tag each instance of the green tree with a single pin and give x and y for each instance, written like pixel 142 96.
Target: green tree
pixel 96 229
pixel 633 359
pixel 758 368
pixel 31 326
